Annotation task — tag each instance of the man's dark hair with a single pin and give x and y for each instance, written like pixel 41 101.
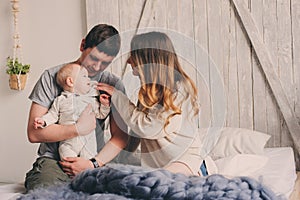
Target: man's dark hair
pixel 105 37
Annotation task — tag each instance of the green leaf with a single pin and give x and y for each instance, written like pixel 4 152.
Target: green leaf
pixel 16 67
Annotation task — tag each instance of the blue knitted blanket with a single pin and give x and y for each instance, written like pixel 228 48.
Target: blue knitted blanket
pixel 116 181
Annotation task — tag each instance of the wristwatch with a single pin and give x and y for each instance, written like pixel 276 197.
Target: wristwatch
pixel 95 163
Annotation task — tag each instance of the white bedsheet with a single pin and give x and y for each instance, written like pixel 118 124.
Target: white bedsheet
pixel 275 168
pixel 278 172
pixel 10 191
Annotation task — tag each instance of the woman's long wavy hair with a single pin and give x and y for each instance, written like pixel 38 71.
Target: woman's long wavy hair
pixel 159 70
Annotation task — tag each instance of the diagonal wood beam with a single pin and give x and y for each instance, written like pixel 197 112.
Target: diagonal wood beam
pixel 144 20
pixel 268 69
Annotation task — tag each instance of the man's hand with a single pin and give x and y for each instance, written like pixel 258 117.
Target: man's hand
pixel 75 165
pixel 86 122
pixel 38 123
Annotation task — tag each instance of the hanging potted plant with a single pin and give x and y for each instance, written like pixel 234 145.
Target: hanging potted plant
pixel 17 73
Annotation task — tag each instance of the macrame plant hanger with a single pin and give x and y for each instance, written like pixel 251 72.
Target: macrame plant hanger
pixel 17 53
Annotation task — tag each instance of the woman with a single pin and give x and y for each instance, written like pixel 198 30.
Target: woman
pixel 165 116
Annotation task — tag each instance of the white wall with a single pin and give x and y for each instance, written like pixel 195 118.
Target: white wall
pixel 51 31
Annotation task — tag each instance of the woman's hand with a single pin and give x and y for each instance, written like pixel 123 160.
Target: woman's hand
pixel 74 165
pixel 104 99
pixel 105 88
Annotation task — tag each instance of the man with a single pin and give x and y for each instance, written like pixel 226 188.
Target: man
pixel 98 48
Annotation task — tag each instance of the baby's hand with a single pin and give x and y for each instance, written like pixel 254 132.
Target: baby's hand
pixel 104 99
pixel 39 123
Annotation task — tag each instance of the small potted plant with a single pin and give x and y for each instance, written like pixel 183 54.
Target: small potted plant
pixel 17 72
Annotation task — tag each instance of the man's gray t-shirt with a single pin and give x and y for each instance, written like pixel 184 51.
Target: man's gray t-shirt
pixel 46 90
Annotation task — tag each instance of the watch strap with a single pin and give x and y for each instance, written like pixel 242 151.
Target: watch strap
pixel 95 163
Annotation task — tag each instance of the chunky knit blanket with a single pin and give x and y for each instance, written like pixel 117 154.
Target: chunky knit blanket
pixel 116 181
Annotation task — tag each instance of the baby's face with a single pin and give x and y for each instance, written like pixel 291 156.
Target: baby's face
pixel 82 82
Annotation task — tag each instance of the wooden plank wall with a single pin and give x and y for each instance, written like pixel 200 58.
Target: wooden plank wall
pixel 221 46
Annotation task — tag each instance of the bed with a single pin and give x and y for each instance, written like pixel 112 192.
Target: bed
pixel 10 191
pixel 278 158
pixel 274 168
pixel 278 173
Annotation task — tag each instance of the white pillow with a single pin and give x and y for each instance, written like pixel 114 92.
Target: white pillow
pixel 234 141
pixel 240 164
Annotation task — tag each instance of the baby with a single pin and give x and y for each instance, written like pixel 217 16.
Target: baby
pixel 78 92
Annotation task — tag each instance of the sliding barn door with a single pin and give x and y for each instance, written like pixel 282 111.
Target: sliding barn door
pixel 244 56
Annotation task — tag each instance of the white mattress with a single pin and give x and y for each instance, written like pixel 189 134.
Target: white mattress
pixel 275 168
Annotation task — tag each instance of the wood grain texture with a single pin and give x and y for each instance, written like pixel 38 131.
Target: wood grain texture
pixel 295 13
pixel 259 68
pixel 259 82
pixel 267 65
pixel 244 67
